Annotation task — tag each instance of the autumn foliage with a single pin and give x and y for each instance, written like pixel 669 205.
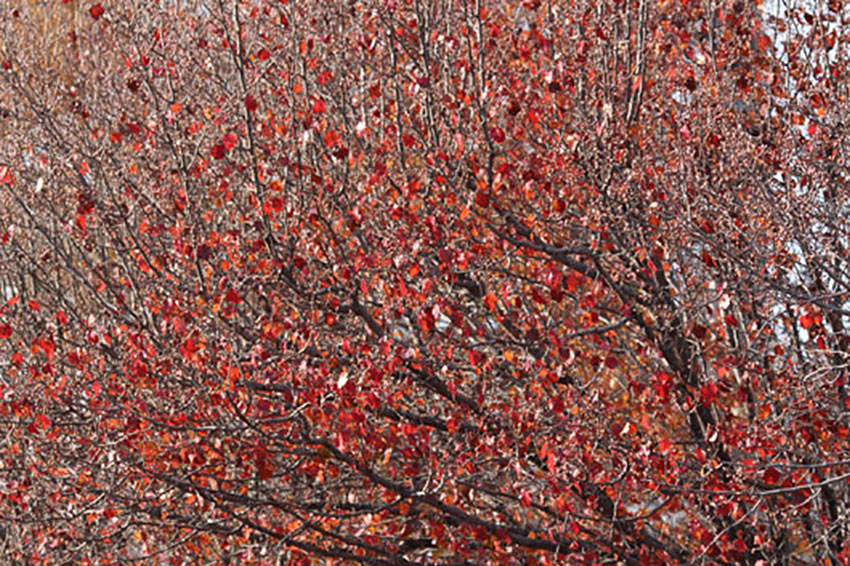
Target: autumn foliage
pixel 398 282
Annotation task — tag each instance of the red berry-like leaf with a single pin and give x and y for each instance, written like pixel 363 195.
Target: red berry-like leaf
pixel 771 476
pixel 229 141
pixel 218 151
pixel 482 199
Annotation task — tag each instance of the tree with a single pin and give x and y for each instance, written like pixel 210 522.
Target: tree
pixel 425 282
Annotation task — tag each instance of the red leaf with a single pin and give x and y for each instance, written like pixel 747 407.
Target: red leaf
pixel 482 199
pixel 251 103
pixel 265 466
pixel 446 255
pixel 708 394
pixel 188 348
pixel 5 331
pixel 771 476
pixel 477 358
pixel 264 54
pixel 218 151
pixel 557 404
pixel 229 140
pixel 426 321
pixel 139 368
pixel 318 106
pixel 273 206
pixel 233 296
pixel 265 469
pixel 7 176
pixel 204 252
pixel 96 11
pixel 497 134
pixel 325 77
pixel 41 422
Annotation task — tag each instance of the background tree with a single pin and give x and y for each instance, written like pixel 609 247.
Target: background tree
pixel 425 282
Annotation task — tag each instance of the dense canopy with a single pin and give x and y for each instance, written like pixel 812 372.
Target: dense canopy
pixel 424 282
